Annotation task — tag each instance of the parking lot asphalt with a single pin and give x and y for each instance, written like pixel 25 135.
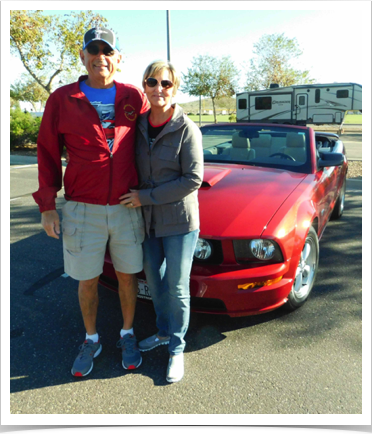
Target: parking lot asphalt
pixel 308 362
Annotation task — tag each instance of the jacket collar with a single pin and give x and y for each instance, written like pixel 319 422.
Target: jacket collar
pixel 174 124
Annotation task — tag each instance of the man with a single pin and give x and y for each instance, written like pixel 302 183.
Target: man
pixel 95 120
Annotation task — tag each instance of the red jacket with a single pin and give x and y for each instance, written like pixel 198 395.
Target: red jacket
pixel 93 174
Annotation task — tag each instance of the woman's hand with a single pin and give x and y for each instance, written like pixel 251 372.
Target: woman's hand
pixel 130 200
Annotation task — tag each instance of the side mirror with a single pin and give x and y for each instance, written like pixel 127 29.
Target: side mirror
pixel 328 159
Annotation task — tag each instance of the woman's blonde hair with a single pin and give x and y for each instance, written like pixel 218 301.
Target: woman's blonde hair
pixel 155 67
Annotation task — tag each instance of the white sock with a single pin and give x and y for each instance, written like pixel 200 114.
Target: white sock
pixel 94 338
pixel 125 332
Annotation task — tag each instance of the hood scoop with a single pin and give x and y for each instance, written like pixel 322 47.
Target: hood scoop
pixel 212 175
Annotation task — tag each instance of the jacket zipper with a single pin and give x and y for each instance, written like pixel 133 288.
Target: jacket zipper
pixel 110 185
pixel 110 158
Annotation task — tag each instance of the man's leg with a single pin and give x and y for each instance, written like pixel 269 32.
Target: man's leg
pixel 128 297
pixel 88 299
pixel 126 229
pixel 85 237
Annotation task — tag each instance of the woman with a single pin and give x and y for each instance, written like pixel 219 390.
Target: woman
pixel 169 159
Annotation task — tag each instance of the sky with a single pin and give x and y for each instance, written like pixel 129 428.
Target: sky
pixel 332 35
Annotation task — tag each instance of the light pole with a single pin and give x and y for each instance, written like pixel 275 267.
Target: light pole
pixel 168 35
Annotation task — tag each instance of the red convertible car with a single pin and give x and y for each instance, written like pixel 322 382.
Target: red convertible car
pixel 268 192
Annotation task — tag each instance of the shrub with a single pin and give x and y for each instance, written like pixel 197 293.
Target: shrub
pixel 232 118
pixel 24 128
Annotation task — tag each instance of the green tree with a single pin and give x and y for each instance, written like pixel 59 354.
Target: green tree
pixel 49 45
pixel 227 103
pixel 211 77
pixel 24 128
pixel 28 90
pixel 274 55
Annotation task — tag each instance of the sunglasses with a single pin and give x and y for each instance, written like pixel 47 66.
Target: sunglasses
pixel 165 84
pixel 94 50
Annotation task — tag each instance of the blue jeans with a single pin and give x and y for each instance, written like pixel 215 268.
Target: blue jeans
pixel 167 264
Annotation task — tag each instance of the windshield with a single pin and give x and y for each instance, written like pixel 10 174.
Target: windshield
pixel 267 146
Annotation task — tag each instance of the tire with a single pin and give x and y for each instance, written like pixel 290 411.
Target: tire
pixel 306 271
pixel 340 204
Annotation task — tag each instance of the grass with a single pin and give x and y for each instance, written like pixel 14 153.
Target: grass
pixel 353 119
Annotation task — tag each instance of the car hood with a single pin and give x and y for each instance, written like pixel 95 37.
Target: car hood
pixel 237 201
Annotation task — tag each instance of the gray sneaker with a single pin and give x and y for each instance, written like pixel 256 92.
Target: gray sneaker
pixel 152 342
pixel 129 351
pixel 84 361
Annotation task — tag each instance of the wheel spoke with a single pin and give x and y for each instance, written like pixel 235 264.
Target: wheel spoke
pixel 298 281
pixel 306 252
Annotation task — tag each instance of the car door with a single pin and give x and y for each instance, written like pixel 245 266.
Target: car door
pixel 328 179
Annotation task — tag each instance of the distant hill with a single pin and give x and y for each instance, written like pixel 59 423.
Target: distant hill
pixel 206 105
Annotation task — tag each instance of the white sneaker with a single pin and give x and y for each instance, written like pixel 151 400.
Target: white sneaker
pixel 175 369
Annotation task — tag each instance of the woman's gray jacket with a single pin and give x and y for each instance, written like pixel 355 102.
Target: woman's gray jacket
pixel 170 173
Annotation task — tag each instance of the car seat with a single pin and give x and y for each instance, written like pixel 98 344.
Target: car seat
pixel 296 146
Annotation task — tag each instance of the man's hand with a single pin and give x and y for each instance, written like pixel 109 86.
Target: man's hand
pixel 50 222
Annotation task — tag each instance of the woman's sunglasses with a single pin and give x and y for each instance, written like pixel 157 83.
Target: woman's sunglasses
pixel 165 84
pixel 94 50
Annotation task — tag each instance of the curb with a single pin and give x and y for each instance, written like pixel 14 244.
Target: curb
pixel 25 159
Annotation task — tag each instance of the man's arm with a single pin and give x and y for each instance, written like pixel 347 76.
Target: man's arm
pixel 49 151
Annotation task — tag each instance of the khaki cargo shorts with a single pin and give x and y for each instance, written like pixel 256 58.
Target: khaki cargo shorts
pixel 89 229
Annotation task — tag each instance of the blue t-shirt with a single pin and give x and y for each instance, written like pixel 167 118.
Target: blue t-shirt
pixel 103 100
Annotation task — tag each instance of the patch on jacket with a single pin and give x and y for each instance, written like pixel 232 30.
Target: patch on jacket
pixel 130 112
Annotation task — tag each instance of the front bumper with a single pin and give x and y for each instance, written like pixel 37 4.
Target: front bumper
pixel 214 289
pixel 222 283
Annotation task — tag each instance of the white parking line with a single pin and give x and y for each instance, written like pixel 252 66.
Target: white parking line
pixel 21 167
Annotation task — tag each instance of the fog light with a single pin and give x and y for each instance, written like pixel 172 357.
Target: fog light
pixel 260 284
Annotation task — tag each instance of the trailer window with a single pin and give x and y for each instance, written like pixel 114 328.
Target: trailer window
pixel 342 94
pixel 242 104
pixel 301 100
pixel 263 103
pixel 317 95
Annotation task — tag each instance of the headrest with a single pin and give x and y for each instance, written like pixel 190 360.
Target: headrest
pixel 264 141
pixel 295 140
pixel 239 141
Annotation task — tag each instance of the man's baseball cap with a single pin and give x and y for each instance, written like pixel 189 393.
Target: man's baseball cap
pixel 101 34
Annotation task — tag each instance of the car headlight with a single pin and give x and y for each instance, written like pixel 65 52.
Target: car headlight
pixel 263 249
pixel 203 249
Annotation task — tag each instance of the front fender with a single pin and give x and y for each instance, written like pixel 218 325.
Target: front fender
pixel 290 226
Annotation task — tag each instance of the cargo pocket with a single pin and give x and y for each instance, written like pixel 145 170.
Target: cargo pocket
pixel 72 226
pixel 138 224
pixel 71 237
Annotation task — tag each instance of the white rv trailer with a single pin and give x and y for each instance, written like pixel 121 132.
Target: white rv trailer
pixel 300 104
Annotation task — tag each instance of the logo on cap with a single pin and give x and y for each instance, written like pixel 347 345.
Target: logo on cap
pixel 97 33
